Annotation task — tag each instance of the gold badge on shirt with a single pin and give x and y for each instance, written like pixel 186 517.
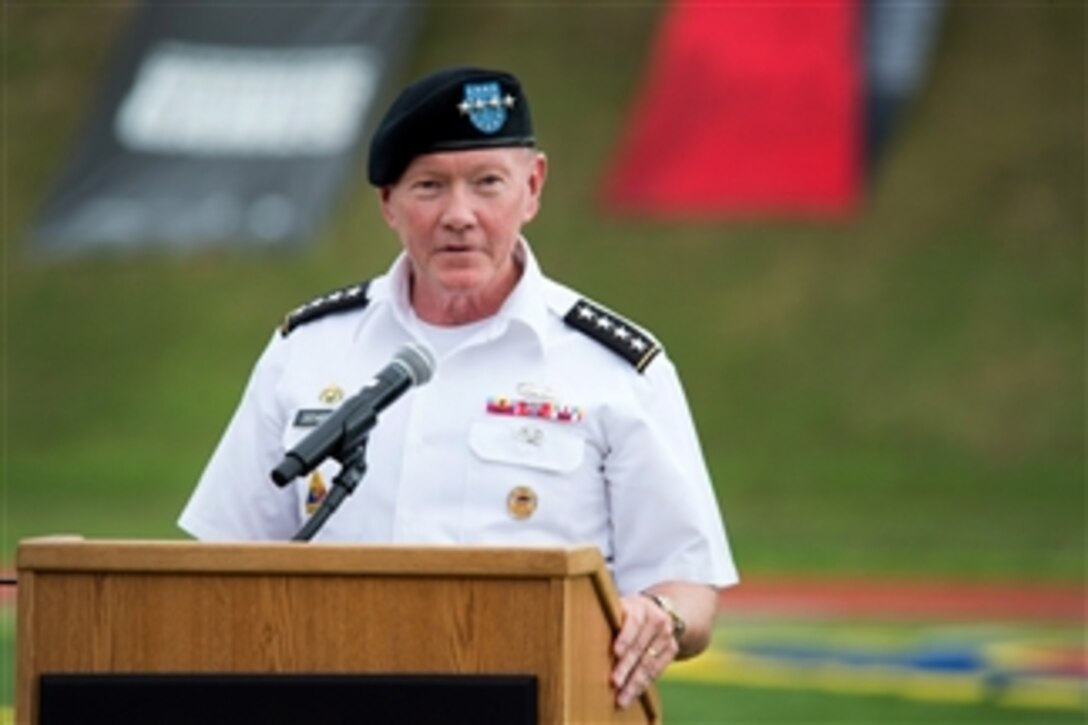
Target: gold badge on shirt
pixel 521 502
pixel 316 494
pixel 331 395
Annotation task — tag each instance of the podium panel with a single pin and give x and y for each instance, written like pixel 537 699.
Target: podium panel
pixel 118 699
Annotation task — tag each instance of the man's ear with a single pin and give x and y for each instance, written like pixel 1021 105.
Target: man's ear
pixel 384 194
pixel 538 175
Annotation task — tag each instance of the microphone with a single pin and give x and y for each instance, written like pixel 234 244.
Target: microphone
pixel 412 365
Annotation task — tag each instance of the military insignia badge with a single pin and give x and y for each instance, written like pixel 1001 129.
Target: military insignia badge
pixel 485 106
pixel 341 300
pixel 614 332
pixel 502 405
pixel 521 502
pixel 331 395
pixel 316 494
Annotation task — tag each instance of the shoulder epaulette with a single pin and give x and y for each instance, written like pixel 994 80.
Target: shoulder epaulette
pixel 346 298
pixel 614 332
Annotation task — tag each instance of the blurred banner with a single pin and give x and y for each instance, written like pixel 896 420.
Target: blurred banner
pixel 747 109
pixel 225 124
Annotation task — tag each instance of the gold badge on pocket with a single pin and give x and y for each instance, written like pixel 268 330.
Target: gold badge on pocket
pixel 521 503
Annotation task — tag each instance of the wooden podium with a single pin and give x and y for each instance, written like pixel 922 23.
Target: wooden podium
pixel 186 608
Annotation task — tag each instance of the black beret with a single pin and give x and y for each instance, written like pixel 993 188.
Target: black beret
pixel 450 110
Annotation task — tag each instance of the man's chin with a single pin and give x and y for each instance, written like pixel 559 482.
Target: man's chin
pixel 462 280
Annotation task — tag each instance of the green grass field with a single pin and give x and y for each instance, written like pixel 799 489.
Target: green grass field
pixel 699 704
pixel 898 395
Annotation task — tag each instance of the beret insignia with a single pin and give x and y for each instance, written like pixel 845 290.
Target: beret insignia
pixel 340 300
pixel 485 106
pixel 614 332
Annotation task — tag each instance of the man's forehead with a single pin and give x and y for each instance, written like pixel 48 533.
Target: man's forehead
pixel 470 160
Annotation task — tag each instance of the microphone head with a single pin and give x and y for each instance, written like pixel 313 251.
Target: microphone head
pixel 418 360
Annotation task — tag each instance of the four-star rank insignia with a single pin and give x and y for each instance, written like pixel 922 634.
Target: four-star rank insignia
pixel 614 332
pixel 341 300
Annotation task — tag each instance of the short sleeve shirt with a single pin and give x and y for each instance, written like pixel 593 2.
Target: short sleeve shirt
pixel 530 433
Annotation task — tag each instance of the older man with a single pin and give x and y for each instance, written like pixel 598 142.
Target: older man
pixel 550 420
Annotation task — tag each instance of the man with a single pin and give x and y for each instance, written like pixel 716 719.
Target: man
pixel 549 420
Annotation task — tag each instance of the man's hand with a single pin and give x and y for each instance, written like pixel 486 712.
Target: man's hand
pixel 646 645
pixel 643 648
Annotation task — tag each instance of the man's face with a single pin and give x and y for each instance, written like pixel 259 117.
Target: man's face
pixel 459 215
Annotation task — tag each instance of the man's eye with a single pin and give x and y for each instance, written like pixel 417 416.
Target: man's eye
pixel 489 180
pixel 426 185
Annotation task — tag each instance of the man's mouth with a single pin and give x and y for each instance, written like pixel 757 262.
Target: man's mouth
pixel 456 248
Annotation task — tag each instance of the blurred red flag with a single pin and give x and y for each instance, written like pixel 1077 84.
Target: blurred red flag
pixel 748 109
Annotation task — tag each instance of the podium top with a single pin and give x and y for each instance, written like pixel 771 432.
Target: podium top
pixel 73 554
pixel 76 554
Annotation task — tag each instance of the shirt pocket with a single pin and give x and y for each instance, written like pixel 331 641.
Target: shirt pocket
pixel 529 443
pixel 518 460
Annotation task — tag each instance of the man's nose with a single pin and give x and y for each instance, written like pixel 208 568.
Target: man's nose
pixel 458 213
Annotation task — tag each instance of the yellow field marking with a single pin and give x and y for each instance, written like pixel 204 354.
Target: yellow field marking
pixel 717 667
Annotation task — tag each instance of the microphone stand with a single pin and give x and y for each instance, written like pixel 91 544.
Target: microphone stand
pixel 353 468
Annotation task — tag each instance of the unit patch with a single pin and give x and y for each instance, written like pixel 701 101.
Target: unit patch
pixel 614 332
pixel 341 300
